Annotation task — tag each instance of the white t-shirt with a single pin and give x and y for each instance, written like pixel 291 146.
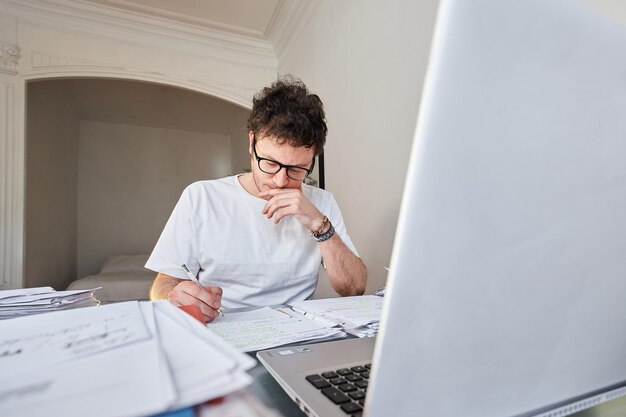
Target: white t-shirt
pixel 218 231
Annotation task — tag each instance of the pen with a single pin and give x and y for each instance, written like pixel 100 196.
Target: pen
pixel 195 279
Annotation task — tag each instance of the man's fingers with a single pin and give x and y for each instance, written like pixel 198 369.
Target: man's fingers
pixel 285 205
pixel 291 202
pixel 275 203
pixel 209 313
pixel 267 194
pixel 212 298
pixel 208 299
pixel 214 290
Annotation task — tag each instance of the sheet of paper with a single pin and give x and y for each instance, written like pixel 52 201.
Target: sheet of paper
pixel 116 383
pixel 36 341
pixel 199 329
pixel 349 312
pixel 5 294
pixel 198 368
pixel 263 328
pixel 168 385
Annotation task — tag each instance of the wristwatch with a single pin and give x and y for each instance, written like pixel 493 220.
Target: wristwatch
pixel 324 236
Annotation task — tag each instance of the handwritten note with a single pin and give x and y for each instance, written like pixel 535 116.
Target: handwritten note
pixel 265 327
pixel 80 333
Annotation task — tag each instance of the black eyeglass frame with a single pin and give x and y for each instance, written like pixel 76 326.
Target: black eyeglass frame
pixel 309 171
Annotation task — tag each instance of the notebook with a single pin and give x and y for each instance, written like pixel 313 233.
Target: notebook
pixel 506 288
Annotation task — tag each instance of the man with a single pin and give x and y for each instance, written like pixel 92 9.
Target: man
pixel 259 238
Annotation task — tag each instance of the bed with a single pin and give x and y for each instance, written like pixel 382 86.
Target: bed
pixel 122 278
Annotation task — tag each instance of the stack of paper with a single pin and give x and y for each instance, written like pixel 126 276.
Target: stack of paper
pixel 28 301
pixel 124 359
pixel 264 328
pixel 357 315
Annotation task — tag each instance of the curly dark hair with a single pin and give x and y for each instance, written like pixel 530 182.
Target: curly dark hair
pixel 290 113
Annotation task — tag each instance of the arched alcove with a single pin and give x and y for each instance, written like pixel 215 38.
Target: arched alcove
pixel 105 162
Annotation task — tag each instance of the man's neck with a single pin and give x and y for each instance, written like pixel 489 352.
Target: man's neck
pixel 247 182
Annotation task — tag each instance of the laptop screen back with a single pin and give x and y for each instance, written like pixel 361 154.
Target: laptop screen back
pixel 506 294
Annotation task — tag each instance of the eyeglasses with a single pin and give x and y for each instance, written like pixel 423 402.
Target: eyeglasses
pixel 270 166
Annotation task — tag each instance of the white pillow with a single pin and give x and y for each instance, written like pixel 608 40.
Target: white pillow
pixel 124 263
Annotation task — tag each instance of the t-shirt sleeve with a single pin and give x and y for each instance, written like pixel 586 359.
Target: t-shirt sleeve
pixel 177 241
pixel 335 217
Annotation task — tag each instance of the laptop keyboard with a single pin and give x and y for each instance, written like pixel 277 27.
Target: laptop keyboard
pixel 346 387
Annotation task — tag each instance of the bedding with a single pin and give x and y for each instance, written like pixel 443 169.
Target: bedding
pixel 122 278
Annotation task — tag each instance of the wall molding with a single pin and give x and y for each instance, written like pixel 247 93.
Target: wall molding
pixel 9 58
pixel 130 26
pixel 46 65
pixel 11 182
pixel 44 60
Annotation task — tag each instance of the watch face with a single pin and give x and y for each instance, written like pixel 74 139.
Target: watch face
pixel 326 235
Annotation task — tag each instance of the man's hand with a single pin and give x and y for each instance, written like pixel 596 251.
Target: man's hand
pixel 346 271
pixel 283 202
pixel 184 292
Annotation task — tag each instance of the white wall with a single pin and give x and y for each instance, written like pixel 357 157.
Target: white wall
pixel 366 59
pixel 129 179
pixel 239 143
pixel 51 165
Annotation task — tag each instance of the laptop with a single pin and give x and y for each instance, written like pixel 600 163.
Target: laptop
pixel 507 284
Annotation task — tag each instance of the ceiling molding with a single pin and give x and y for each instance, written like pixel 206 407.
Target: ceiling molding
pixel 287 23
pixel 185 18
pixel 137 27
